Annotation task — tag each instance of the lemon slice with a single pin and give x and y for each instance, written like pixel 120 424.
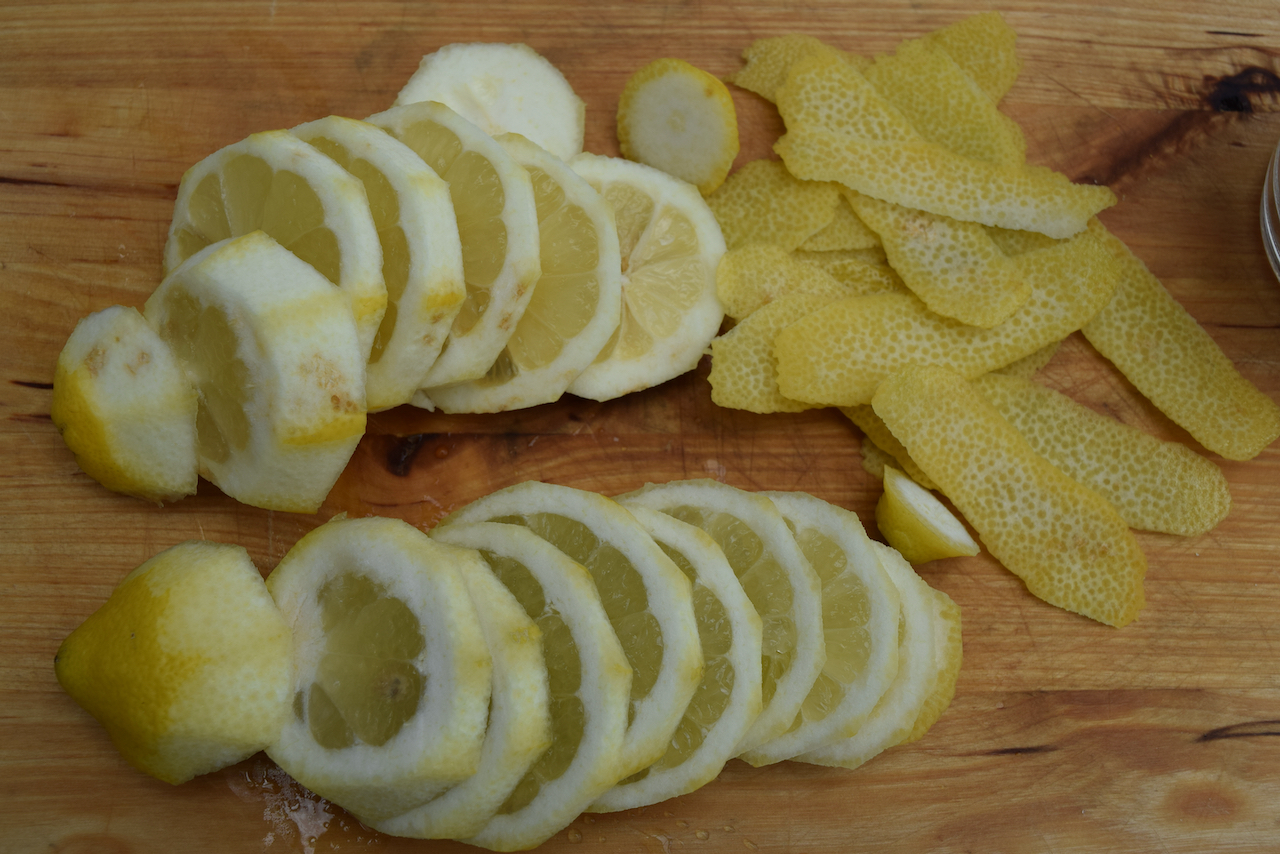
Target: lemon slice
pixel 279 370
pixel 519 728
pixel 777 578
pixel 670 245
pixel 421 253
pixel 860 607
pixel 678 118
pixel 187 665
pixel 917 524
pixel 497 225
pixel 948 648
pixel 575 305
pixel 501 88
pixel 728 697
pixel 392 683
pixel 894 716
pixel 125 407
pixel 649 601
pixel 275 182
pixel 589 683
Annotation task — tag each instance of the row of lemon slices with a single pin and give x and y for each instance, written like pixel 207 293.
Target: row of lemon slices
pixel 473 273
pixel 544 651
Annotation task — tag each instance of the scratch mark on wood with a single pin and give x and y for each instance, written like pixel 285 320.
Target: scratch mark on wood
pixel 32 384
pixel 1018 751
pixel 1248 729
pixel 400 454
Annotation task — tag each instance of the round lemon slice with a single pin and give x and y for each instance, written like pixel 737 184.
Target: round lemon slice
pixel 648 600
pixel 279 371
pixel 497 226
pixel 275 182
pixel 917 524
pixel 519 728
pixel 588 683
pixel 894 717
pixel 670 244
pixel 575 305
pixel 187 665
pixel 392 683
pixel 728 697
pixel 421 253
pixel 125 408
pixel 948 650
pixel 777 578
pixel 678 118
pixel 501 88
pixel 860 607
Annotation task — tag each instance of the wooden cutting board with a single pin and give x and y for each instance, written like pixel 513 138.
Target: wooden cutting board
pixel 1065 735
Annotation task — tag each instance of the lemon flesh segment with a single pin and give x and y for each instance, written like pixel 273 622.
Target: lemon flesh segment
pixel 648 600
pixel 860 608
pixel 125 408
pixel 764 203
pixel 755 274
pixel 917 524
pixel 276 183
pixel 1154 485
pixel 670 245
pixel 575 305
pixel 743 370
pixel 589 683
pixel 1168 356
pixel 784 589
pixel 279 371
pixel 727 701
pixel 497 225
pixel 948 645
pixel 503 88
pixel 421 252
pixel 955 267
pixel 838 355
pixel 519 728
pixel 187 665
pixel 1066 542
pixel 893 719
pixel 678 118
pixel 393 675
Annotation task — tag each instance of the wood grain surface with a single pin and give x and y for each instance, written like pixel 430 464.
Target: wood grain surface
pixel 1065 735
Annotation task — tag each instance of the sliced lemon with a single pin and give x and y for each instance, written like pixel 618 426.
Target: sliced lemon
pixel 275 182
pixel 279 370
pixel 860 606
pixel 575 305
pixel 917 524
pixel 894 716
pixel 125 407
pixel 777 578
pixel 728 697
pixel 588 681
pixel 392 683
pixel 678 118
pixel 519 729
pixel 497 225
pixel 670 245
pixel 648 599
pixel 948 647
pixel 187 665
pixel 421 253
pixel 503 88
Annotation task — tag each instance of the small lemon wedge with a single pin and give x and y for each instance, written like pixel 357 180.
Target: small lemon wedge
pixel 917 524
